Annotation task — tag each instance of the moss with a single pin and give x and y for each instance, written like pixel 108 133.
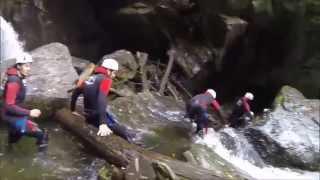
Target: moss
pixel 263 7
pixel 104 174
pixel 279 100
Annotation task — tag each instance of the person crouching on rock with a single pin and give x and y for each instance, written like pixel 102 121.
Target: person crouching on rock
pixel 95 91
pixel 18 117
pixel 197 109
pixel 241 113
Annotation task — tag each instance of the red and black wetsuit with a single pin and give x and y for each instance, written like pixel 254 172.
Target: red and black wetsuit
pixel 95 91
pixel 241 107
pixel 14 113
pixel 197 109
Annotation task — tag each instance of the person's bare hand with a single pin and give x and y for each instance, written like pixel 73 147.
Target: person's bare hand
pixel 75 113
pixel 35 113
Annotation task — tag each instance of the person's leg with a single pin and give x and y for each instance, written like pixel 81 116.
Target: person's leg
pixel 202 122
pixel 13 136
pixel 122 131
pixel 92 119
pixel 118 129
pixel 41 136
pixel 16 128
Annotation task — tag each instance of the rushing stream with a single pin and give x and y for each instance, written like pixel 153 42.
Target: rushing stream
pixel 245 159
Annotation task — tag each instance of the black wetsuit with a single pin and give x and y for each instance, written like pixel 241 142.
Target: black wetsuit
pixel 240 110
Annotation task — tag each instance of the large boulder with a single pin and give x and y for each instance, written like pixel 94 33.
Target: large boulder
pixel 52 73
pixel 158 120
pixel 289 135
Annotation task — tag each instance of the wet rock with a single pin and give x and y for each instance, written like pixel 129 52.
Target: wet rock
pixel 158 121
pixel 139 168
pixel 289 135
pixel 191 57
pixel 79 64
pixel 117 174
pixel 125 90
pixel 147 110
pixel 207 158
pixel 163 171
pixel 189 157
pixel 239 146
pixel 52 73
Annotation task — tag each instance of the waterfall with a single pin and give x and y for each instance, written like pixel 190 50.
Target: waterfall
pixel 10 45
pixel 238 157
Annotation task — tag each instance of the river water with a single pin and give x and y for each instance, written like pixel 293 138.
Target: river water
pixel 66 158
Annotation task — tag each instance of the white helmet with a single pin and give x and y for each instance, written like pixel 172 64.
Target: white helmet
pixel 249 96
pixel 110 64
pixel 212 93
pixel 24 58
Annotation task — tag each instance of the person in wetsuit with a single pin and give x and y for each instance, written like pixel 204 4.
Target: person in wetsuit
pixel 13 113
pixel 241 113
pixel 95 91
pixel 197 109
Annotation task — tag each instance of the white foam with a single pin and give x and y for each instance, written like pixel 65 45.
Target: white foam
pixel 10 45
pixel 212 140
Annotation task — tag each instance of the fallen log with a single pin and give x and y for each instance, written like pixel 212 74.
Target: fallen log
pixel 119 152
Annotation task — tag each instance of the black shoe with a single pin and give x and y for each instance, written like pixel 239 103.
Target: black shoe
pixel 201 133
pixel 43 143
pixel 42 148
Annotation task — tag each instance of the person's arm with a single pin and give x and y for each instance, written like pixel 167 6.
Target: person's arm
pixel 246 108
pixel 75 94
pixel 104 88
pixel 216 106
pixel 10 100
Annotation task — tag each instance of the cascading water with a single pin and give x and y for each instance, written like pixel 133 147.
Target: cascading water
pixel 10 45
pixel 242 155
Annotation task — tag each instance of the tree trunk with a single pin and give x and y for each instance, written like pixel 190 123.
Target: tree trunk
pixel 119 152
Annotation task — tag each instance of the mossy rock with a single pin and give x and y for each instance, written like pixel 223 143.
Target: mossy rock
pixel 104 174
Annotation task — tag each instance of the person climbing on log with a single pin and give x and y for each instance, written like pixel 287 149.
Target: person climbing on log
pixel 13 113
pixel 197 109
pixel 241 113
pixel 95 91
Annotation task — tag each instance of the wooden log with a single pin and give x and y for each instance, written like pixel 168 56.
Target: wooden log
pixel 119 152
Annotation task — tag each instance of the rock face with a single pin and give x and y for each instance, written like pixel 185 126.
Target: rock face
pixel 52 73
pixel 289 135
pixel 226 42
